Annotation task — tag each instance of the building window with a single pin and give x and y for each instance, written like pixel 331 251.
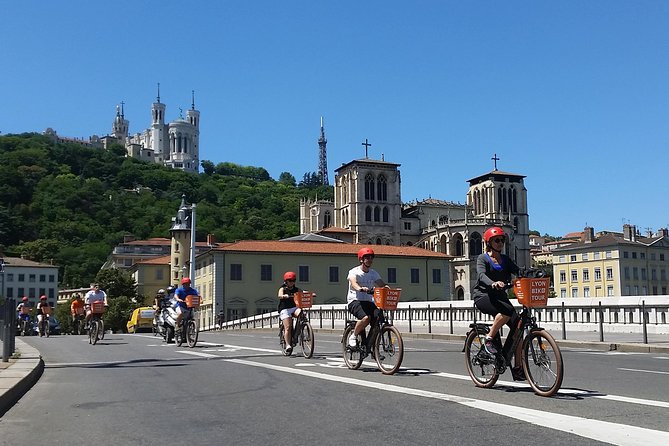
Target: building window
pixel 369 187
pixel 662 257
pixel 42 277
pixel 586 275
pixel 584 256
pixel 572 258
pixel 642 255
pixel 235 271
pixel 635 273
pixel 609 254
pixel 382 188
pixel 392 275
pixel 304 273
pixel 596 255
pixel 626 255
pixel 609 290
pixel 626 273
pixel 159 274
pixel 609 273
pixel 31 278
pixel 563 276
pixel 368 213
pixel 436 275
pixel 574 292
pixel 634 255
pixel 563 293
pixel 266 272
pixel 10 293
pixel 653 274
pixel 385 215
pixel 415 275
pixel 643 273
pixel 561 259
pixel 21 293
pixel 663 274
pixel 586 292
pixel 598 274
pixel 22 277
pixel 10 277
pixel 377 214
pixel 574 275
pixel 52 278
pixel 407 226
pixel 334 274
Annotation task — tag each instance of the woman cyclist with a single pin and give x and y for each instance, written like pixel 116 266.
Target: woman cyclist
pixel 494 271
pixel 287 307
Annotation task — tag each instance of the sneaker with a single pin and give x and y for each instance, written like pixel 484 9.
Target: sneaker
pixel 352 341
pixel 289 351
pixel 518 374
pixel 489 346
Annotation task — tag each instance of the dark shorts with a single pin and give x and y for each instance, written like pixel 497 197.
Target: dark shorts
pixel 360 309
pixel 496 305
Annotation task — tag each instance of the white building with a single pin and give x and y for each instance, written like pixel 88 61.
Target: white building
pixel 24 277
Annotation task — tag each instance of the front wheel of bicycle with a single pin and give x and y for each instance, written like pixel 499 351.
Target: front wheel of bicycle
pixel 282 340
pixel 191 333
pixel 389 350
pixel 93 333
pixel 542 363
pixel 353 356
pixel 480 364
pixel 307 340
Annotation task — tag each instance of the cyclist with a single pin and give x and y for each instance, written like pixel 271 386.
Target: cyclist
pixel 23 310
pixel 287 307
pixel 361 280
pixel 180 299
pixel 77 307
pixel 94 295
pixel 494 271
pixel 159 302
pixel 43 308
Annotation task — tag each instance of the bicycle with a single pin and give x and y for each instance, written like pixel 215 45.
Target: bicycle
pixel 385 341
pixel 189 325
pixel 43 326
pixel 96 327
pixel 78 323
pixel 25 326
pixel 302 333
pixel 541 357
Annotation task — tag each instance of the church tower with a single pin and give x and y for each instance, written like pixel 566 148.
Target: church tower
pixel 368 200
pixel 501 198
pixel 157 139
pixel 181 242
pixel 120 125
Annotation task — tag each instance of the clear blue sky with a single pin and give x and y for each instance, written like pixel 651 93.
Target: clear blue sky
pixel 572 94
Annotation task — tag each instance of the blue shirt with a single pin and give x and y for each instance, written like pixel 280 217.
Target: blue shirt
pixel 181 293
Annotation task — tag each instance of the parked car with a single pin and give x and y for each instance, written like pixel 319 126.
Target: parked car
pixel 54 326
pixel 141 319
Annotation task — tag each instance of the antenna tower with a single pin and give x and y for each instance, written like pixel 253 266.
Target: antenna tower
pixel 322 156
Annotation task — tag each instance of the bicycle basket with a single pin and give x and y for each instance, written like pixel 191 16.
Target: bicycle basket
pixel 192 301
pixel 97 307
pixel 387 298
pixel 532 292
pixel 303 299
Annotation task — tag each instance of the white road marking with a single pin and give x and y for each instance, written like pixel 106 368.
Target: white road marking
pixel 644 371
pixel 203 355
pixel 604 431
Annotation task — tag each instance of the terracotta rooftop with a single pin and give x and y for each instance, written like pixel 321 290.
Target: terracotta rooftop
pixel 162 260
pixel 271 246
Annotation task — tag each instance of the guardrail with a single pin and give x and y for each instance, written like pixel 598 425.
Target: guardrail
pixel 633 314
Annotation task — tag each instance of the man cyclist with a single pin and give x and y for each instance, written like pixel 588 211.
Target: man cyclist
pixel 94 295
pixel 160 301
pixel 361 280
pixel 287 307
pixel 180 295
pixel 43 309
pixel 77 308
pixel 494 270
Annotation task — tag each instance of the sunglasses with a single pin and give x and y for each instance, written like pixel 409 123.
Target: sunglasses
pixel 498 240
pixel 290 280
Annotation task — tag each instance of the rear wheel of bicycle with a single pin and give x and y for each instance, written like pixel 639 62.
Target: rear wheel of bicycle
pixel 352 356
pixel 93 333
pixel 542 363
pixel 480 365
pixel 389 350
pixel 191 333
pixel 307 340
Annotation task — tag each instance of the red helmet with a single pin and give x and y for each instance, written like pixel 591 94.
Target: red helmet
pixel 365 252
pixel 42 297
pixel 185 280
pixel 24 298
pixel 493 232
pixel 289 276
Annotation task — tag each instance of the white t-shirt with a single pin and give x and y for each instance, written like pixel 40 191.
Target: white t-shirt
pixel 92 296
pixel 363 279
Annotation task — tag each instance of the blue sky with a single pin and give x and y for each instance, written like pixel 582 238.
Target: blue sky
pixel 572 94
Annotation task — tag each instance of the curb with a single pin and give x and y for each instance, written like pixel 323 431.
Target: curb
pixel 17 379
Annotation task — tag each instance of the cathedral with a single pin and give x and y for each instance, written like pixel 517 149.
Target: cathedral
pixel 368 209
pixel 174 144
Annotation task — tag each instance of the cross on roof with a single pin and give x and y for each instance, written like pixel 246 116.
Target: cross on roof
pixel 367 145
pixel 495 159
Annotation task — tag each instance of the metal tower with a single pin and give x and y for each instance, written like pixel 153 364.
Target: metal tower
pixel 322 156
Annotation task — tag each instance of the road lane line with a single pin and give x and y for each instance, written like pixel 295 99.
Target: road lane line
pixel 604 431
pixel 644 371
pixel 203 355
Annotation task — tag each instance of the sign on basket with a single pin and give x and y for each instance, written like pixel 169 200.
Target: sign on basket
pixel 97 307
pixel 387 298
pixel 304 299
pixel 532 292
pixel 192 301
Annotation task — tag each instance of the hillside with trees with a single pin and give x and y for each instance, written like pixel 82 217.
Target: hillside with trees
pixel 73 204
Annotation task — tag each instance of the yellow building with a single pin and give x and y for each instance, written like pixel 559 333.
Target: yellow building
pixel 151 275
pixel 613 264
pixel 243 278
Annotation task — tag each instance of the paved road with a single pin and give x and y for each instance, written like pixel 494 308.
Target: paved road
pixel 236 388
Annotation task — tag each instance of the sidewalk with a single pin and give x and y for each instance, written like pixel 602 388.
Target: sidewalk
pixel 19 374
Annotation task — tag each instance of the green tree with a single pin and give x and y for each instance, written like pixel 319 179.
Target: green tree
pixel 117 283
pixel 287 179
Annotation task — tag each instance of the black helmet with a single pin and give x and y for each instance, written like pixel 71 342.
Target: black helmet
pixel 170 289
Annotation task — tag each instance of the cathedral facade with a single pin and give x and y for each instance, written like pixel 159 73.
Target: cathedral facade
pixel 367 203
pixel 173 144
